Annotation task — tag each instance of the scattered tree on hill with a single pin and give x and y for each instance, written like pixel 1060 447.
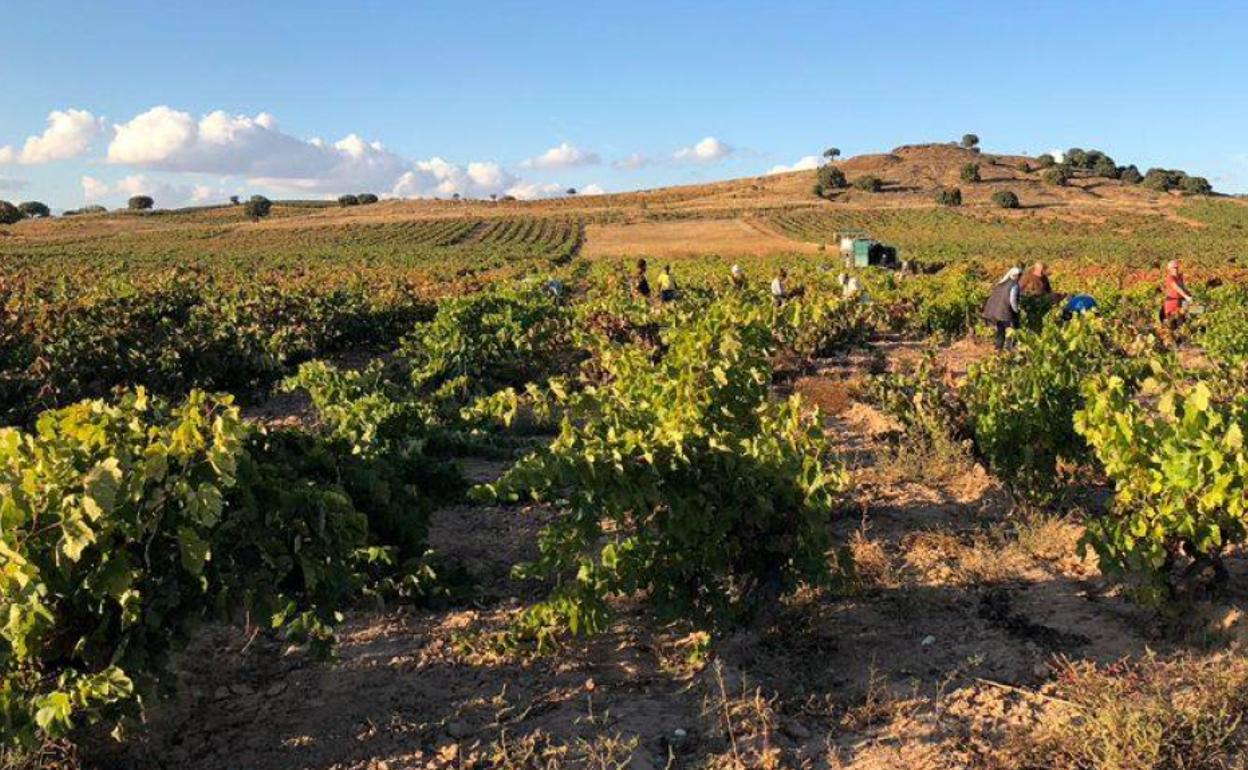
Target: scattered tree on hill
pixel 1057 175
pixel 1196 185
pixel 949 196
pixel 35 209
pixel 829 178
pixel 234 200
pixel 1105 167
pixel 494 196
pixel 571 191
pixel 1005 199
pixel 970 172
pixel 869 183
pixel 507 198
pixel 970 141
pixel 9 214
pixel 1045 161
pixel 366 199
pixel 1075 157
pixel 1024 166
pixel 832 153
pixel 140 203
pixel 455 197
pixel 257 207
pixel 1130 175
pixel 1162 179
pixel 348 200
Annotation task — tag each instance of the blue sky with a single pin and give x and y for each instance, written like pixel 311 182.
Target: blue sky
pixel 196 101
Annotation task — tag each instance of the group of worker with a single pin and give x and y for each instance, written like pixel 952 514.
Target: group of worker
pixel 851 287
pixel 1003 309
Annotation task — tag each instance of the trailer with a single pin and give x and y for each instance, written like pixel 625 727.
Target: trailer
pixel 860 250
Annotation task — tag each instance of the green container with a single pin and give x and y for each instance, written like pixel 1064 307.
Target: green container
pixel 862 252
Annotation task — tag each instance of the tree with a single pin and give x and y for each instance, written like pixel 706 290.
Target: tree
pixel 35 209
pixel 970 141
pixel 832 153
pixel 1057 175
pixel 1196 185
pixel 234 200
pixel 1076 158
pixel 366 199
pixel 494 196
pixel 455 197
pixel 140 203
pixel 1045 161
pixel 829 178
pixel 1130 175
pixel 1005 199
pixel 9 214
pixel 970 172
pixel 257 207
pixel 949 196
pixel 1163 180
pixel 571 191
pixel 869 183
pixel 348 200
pixel 1105 167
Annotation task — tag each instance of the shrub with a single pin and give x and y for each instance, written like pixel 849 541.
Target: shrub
pixel 683 481
pixel 1176 459
pixel 257 207
pixel 366 199
pixel 1057 175
pixel 1024 166
pixel 140 203
pixel 1045 161
pixel 1130 175
pixel 35 209
pixel 829 178
pixel 1196 185
pixel 1005 199
pixel 970 172
pixel 949 196
pixel 1022 404
pixel 93 209
pixel 970 141
pixel 1075 158
pixel 10 214
pixel 348 200
pixel 869 183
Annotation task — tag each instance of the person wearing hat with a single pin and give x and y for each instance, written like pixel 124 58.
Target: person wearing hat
pixel 1176 295
pixel 738 277
pixel 1002 306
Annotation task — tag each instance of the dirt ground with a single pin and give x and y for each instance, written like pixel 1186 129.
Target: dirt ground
pixel 729 237
pixel 945 641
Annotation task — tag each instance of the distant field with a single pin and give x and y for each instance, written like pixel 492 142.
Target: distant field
pixel 727 237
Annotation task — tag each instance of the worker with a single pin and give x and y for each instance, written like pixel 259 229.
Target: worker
pixel 1036 282
pixel 641 284
pixel 738 277
pixel 1078 304
pixel 1002 306
pixel 1177 296
pixel 853 290
pixel 778 291
pixel 667 285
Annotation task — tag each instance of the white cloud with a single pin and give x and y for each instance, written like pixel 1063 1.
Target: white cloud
pixel 1058 155
pixel 709 150
pixel 166 194
pixel 564 155
pixel 530 190
pixel 164 139
pixel 438 178
pixel 68 135
pixel 633 162
pixel 93 189
pixel 805 163
pixel 592 189
pixel 13 184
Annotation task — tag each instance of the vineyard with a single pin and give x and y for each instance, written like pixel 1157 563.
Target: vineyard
pixel 379 490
